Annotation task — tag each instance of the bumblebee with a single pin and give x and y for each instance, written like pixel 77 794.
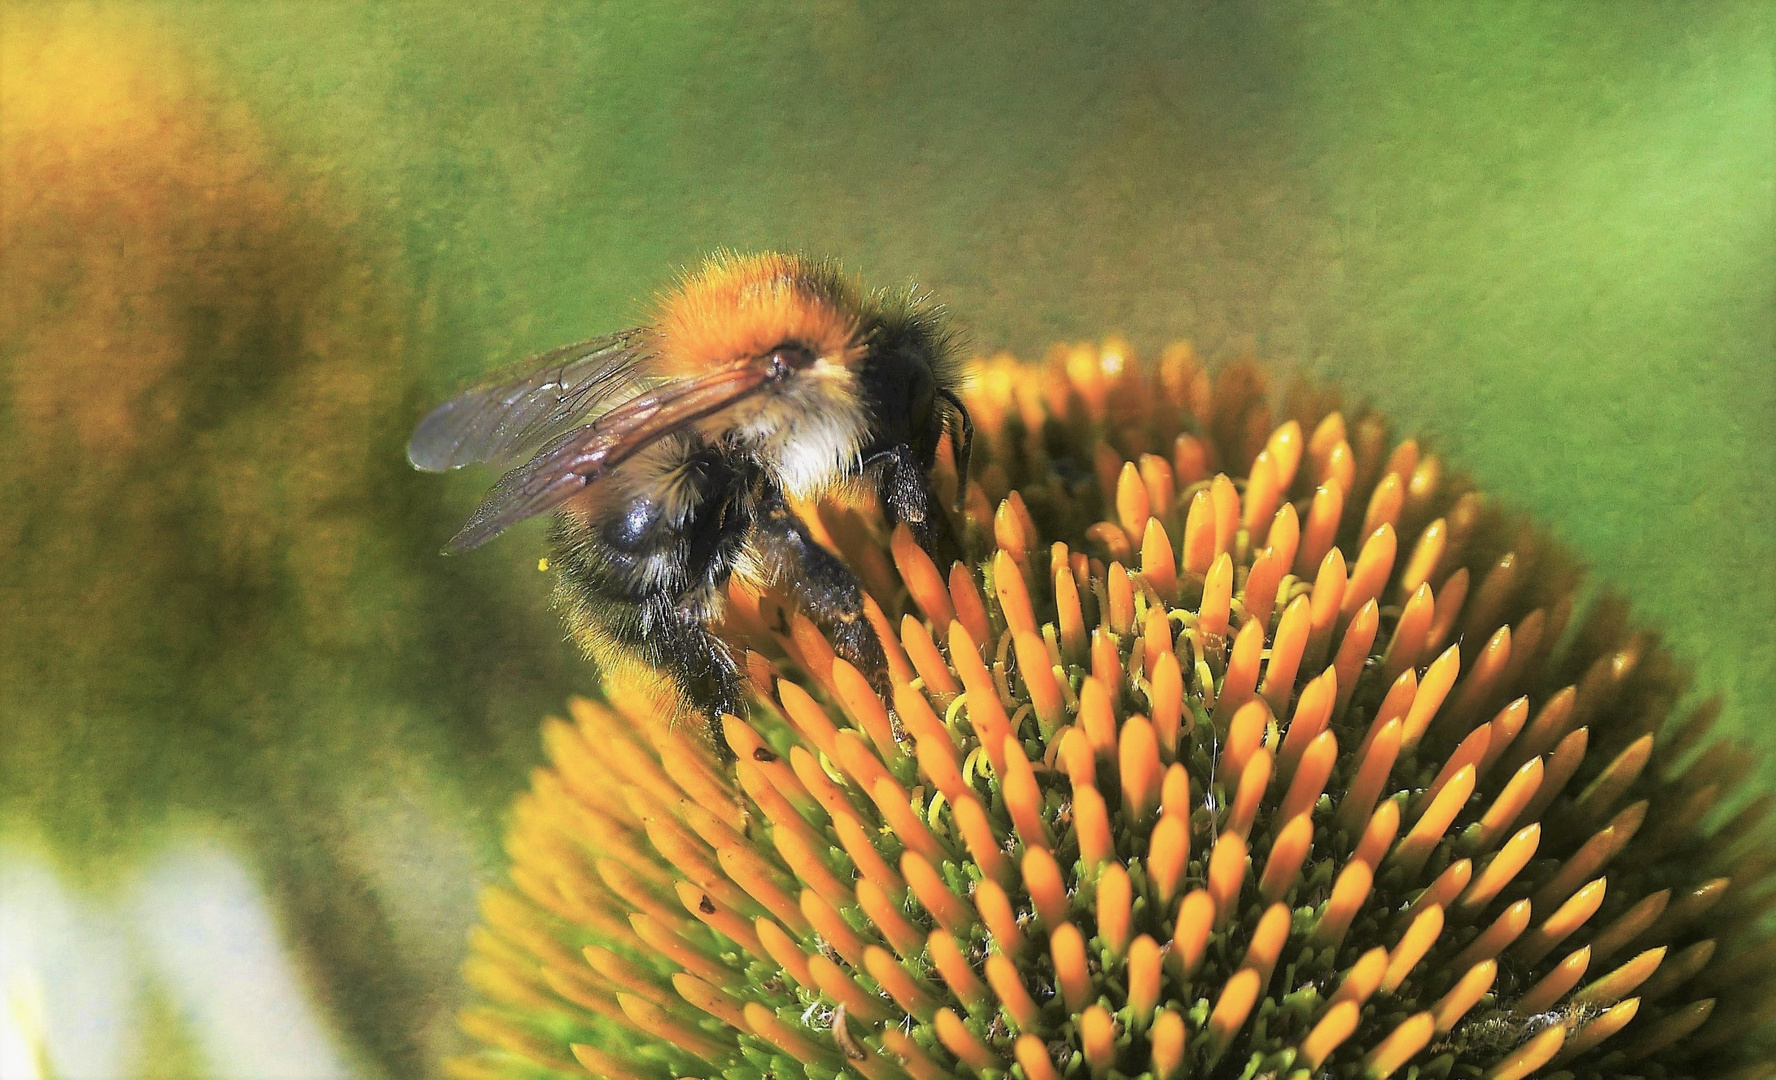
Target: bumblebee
pixel 672 454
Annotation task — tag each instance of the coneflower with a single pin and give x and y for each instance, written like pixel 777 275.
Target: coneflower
pixel 1242 749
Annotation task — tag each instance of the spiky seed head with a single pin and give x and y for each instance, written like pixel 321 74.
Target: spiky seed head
pixel 1240 748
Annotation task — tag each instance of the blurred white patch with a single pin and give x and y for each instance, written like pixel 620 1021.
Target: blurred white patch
pixel 24 1045
pixel 210 939
pixel 69 989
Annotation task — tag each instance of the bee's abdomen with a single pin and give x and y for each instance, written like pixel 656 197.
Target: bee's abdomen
pixel 677 538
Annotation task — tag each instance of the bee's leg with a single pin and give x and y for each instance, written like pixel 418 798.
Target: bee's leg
pixel 824 587
pixel 645 578
pixel 903 484
pixel 678 642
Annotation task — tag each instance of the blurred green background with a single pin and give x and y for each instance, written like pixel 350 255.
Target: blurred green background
pixel 247 243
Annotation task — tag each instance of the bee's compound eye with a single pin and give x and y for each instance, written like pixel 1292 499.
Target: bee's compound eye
pixel 791 356
pixel 921 392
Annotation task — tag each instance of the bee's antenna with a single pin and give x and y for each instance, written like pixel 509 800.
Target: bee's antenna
pixel 961 446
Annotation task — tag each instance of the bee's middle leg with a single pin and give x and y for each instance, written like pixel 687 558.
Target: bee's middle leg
pixel 677 639
pixel 824 588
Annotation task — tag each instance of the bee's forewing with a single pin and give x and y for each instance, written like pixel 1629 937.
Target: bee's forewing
pixel 576 459
pixel 515 411
pixel 558 471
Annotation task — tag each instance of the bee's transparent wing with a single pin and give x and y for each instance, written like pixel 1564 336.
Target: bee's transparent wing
pixel 578 458
pixel 513 412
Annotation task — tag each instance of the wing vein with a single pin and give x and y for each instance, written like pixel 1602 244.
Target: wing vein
pixel 511 413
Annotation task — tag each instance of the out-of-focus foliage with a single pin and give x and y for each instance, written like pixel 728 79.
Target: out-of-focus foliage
pixel 245 243
pixel 210 375
pixel 223 599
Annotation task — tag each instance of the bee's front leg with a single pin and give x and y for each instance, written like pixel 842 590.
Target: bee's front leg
pixel 824 587
pixel 903 484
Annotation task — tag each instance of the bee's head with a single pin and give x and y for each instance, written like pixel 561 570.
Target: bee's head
pixel 803 318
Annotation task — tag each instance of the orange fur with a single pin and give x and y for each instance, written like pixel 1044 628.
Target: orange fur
pixel 742 306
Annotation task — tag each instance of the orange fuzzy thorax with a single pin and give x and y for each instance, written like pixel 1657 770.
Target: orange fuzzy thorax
pixel 738 307
pixel 1288 796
